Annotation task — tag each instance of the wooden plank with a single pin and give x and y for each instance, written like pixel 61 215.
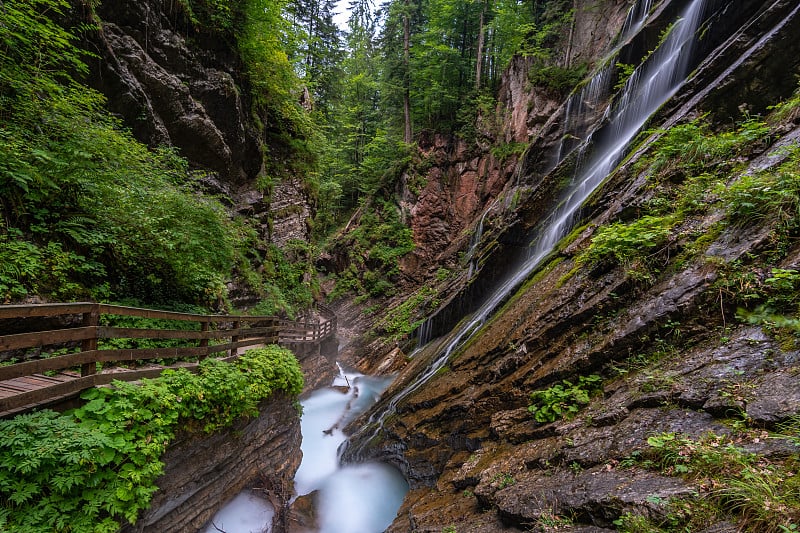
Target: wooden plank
pixel 58 378
pixel 105 332
pixel 46 393
pixel 26 383
pixel 39 366
pixel 16 387
pixel 45 338
pixel 39 310
pixel 171 315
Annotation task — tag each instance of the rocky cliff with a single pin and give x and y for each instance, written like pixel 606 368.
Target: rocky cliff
pixel 174 85
pixel 454 189
pixel 657 381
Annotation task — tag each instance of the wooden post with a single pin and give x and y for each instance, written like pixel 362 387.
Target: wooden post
pixel 204 341
pixel 272 335
pixel 235 338
pixel 92 318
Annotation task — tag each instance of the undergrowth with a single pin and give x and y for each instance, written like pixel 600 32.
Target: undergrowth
pixel 92 468
pixel 400 321
pixel 762 495
pixel 373 248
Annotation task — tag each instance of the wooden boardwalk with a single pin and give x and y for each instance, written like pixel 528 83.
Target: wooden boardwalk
pixel 39 381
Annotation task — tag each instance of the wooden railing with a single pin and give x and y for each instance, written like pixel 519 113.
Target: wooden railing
pixel 218 335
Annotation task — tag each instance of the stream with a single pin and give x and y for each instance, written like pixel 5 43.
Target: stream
pixel 361 498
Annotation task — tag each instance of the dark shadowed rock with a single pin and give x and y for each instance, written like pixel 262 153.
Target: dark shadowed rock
pixel 598 496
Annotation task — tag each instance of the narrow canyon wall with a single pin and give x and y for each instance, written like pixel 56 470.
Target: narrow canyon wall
pixel 174 86
pixel 203 472
pixel 461 181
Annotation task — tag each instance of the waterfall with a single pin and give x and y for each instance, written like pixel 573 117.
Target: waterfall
pixel 474 242
pixel 652 84
pixel 635 19
pixel 592 96
pixel 588 100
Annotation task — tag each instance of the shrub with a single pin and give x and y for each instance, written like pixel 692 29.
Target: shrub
pixel 631 245
pixel 762 493
pixel 565 399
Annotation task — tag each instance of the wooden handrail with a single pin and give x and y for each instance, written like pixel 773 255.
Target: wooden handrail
pixel 239 330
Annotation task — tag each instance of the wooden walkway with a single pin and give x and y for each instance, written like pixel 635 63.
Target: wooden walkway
pixel 43 379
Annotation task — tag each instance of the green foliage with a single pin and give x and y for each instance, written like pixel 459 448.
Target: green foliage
pixel 629 244
pixel 90 469
pixel 624 73
pixel 27 268
pixel 289 280
pixel 565 399
pixel 763 494
pixel 399 321
pixel 502 152
pixel 213 16
pixel 374 248
pixel 90 212
pixel 558 79
pixel 770 193
pixel 693 148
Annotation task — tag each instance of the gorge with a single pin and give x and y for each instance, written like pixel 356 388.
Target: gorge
pixel 571 302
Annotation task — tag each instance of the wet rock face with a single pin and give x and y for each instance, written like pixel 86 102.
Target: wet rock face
pixel 173 90
pixel 453 184
pixel 175 87
pixel 203 472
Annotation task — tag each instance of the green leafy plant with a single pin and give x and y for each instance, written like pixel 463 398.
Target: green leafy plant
pixel 565 399
pixel 771 193
pixel 626 243
pixel 407 316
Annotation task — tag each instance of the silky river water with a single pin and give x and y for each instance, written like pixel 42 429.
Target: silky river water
pixel 359 498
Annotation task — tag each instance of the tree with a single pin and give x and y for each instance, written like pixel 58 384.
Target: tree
pixel 319 53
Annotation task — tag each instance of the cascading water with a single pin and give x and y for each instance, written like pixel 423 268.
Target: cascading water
pixel 361 498
pixel 592 96
pixel 652 84
pixel 585 102
pixel 636 19
pixel 474 242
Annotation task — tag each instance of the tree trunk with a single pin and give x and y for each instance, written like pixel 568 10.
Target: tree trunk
pixel 407 133
pixel 479 59
pixel 568 59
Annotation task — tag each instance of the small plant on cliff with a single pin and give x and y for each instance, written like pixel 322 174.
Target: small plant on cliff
pixel 764 494
pixel 399 321
pixel 90 469
pixel 565 399
pixel 632 245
